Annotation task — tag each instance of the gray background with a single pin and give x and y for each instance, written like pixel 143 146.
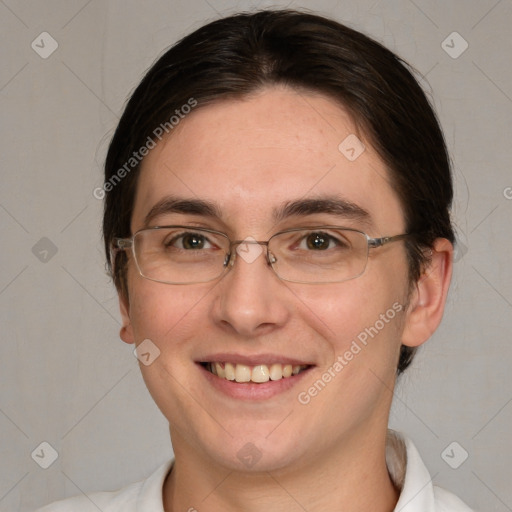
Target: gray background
pixel 65 377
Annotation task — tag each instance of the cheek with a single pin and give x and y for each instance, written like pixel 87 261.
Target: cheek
pixel 362 317
pixel 160 311
pixel 359 325
pixel 171 317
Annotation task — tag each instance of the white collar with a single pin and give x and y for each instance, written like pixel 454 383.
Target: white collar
pixel 409 475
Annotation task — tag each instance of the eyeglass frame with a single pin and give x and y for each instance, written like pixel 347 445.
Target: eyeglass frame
pixel 122 244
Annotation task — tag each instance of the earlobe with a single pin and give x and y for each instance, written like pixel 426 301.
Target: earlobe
pixel 427 301
pixel 126 332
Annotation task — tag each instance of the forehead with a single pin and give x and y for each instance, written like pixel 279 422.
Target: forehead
pixel 251 156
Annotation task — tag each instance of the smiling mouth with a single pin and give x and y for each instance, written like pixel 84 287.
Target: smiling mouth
pixel 259 374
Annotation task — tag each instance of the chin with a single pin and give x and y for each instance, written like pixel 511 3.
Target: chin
pixel 252 453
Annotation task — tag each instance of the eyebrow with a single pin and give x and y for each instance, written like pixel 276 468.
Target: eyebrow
pixel 190 206
pixel 333 205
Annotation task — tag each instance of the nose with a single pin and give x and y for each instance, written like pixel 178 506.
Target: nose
pixel 251 300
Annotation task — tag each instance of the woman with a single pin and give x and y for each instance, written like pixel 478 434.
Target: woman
pixel 277 224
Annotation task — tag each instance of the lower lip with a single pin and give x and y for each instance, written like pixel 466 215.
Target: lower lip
pixel 250 390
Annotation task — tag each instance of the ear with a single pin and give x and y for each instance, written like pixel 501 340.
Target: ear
pixel 126 332
pixel 427 301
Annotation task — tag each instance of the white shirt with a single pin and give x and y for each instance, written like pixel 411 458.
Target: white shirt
pixel 405 466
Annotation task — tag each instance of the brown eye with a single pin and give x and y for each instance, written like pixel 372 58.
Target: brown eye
pixel 318 241
pixel 193 241
pixel 189 241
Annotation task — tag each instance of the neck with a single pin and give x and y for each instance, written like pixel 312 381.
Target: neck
pixel 353 478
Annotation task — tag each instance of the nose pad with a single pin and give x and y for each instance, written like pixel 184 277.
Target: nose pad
pixel 228 260
pixel 231 257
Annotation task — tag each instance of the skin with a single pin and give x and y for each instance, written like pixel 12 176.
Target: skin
pixel 250 156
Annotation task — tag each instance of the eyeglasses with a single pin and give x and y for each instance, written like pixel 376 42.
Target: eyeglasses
pixel 312 255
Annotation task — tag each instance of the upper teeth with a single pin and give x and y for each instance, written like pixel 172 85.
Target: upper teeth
pixel 259 373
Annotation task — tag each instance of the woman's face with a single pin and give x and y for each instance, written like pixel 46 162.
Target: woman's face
pixel 251 158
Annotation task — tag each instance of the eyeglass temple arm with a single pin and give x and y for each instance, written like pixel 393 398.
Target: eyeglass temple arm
pixel 122 243
pixel 118 244
pixel 379 242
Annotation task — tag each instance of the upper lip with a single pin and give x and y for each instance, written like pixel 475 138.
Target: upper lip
pixel 252 360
